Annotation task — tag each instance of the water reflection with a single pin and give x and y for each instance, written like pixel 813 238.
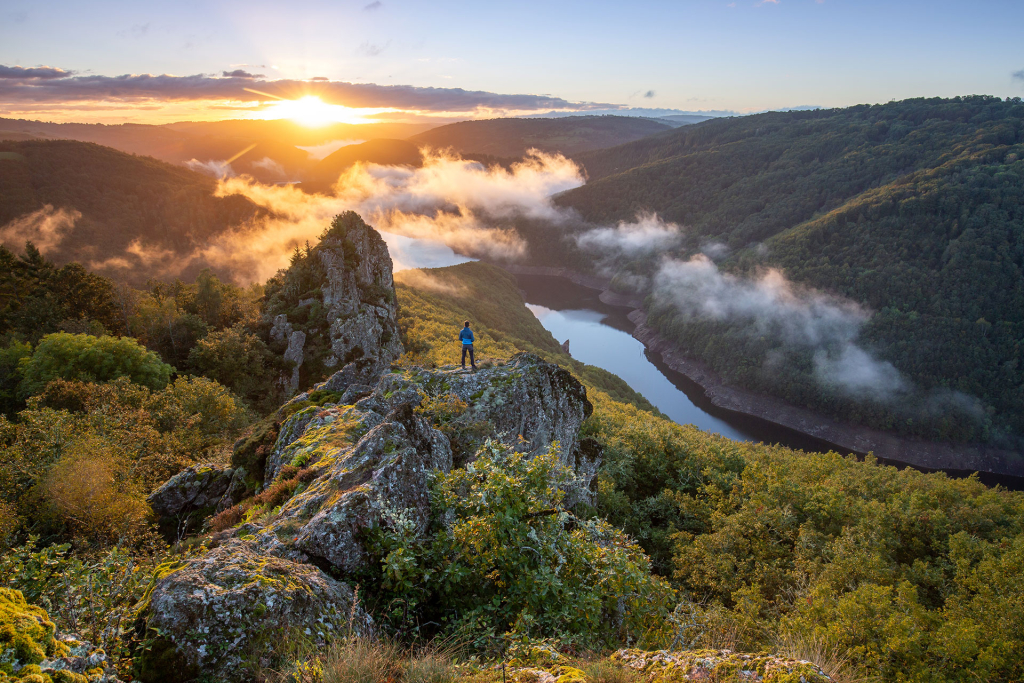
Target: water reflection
pixel 593 342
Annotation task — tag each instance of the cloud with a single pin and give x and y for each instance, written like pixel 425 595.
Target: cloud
pixel 373 6
pixel 649 94
pixel 800 319
pixel 268 164
pixel 240 73
pixel 647 235
pixel 715 251
pixel 46 228
pixel 421 279
pixel 461 204
pixel 1019 75
pixel 218 169
pixel 33 73
pixel 50 84
pixel 372 49
pixel 153 259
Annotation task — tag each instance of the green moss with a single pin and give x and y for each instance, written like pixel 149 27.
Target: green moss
pixel 26 633
pixel 65 676
pixel 322 396
pixel 251 452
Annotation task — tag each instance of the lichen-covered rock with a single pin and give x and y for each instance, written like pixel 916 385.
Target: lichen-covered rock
pixel 315 431
pixel 197 491
pixel 32 651
pixel 371 470
pixel 527 397
pixel 82 662
pixel 370 464
pixel 663 666
pixel 335 306
pixel 236 603
pixel 386 476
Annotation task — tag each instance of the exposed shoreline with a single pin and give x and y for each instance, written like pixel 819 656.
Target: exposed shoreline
pixel 915 452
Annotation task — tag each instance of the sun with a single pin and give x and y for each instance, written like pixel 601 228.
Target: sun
pixel 312 112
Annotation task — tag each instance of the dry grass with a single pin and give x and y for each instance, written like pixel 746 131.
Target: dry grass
pixel 362 660
pixel 429 666
pixel 825 655
pixel 604 671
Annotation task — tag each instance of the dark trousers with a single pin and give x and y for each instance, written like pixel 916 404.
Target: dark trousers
pixel 468 348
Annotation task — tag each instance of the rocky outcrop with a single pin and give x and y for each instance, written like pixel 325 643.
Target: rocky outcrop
pixel 196 493
pixel 364 466
pixel 236 603
pixel 335 306
pixel 372 460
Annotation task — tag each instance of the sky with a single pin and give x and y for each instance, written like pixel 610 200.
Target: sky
pixel 112 61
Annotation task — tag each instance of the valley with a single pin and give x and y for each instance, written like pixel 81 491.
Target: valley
pixel 238 403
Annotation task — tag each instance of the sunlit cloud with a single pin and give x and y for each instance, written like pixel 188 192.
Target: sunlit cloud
pixel 27 90
pixel 313 112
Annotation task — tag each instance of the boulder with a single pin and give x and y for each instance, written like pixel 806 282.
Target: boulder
pixel 232 606
pixel 312 432
pixel 197 492
pixel 370 470
pixel 384 480
pixel 527 397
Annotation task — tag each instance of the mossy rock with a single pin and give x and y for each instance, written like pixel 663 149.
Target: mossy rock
pixel 26 634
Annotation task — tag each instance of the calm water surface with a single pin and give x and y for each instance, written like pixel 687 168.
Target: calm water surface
pixel 593 342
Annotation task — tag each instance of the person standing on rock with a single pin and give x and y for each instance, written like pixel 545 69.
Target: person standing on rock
pixel 467 338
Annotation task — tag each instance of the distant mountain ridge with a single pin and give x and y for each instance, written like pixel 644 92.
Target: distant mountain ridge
pixel 513 137
pixel 914 209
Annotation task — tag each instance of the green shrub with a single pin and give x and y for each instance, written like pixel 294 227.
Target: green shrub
pixel 96 597
pixel 91 359
pixel 510 562
pixel 239 360
pixel 10 376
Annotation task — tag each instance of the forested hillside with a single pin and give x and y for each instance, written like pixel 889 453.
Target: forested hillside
pixel 914 209
pixel 513 137
pixel 683 541
pixel 322 176
pixel 273 150
pixel 906 576
pixel 121 198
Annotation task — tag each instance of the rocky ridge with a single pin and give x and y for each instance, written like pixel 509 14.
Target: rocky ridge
pixel 335 305
pixel 367 464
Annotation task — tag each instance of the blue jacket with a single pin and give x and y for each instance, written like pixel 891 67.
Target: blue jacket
pixel 466 335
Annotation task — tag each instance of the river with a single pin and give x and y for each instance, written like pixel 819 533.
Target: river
pixel 601 335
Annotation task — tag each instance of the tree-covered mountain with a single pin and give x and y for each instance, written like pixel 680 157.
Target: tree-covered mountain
pixel 513 137
pixel 270 151
pixel 386 152
pixel 914 209
pixel 122 198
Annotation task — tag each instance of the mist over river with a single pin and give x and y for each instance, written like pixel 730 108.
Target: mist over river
pixel 601 335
